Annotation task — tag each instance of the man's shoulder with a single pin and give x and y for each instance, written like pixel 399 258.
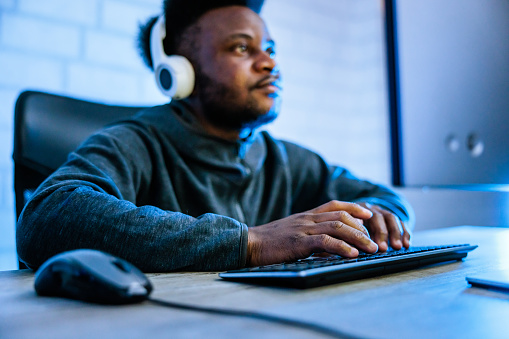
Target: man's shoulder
pixel 128 129
pixel 153 113
pixel 145 119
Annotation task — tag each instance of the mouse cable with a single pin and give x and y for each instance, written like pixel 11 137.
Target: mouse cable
pixel 260 316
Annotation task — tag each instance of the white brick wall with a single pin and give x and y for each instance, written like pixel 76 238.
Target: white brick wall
pixel 19 70
pixel 331 55
pixel 110 84
pixel 103 48
pixel 131 15
pixel 31 35
pixel 332 61
pixel 73 12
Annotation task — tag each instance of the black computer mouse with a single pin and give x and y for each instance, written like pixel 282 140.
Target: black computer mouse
pixel 92 276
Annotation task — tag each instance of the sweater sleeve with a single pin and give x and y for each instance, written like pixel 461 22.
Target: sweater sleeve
pixel 90 203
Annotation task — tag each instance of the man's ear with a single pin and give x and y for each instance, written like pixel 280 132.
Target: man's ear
pixel 174 73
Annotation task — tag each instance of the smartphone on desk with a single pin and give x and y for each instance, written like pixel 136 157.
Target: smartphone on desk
pixel 498 280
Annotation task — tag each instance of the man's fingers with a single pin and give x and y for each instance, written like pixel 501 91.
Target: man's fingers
pixel 395 230
pixel 387 229
pixel 335 227
pixel 350 235
pixel 354 209
pixel 379 231
pixel 406 235
pixel 398 234
pixel 326 243
pixel 341 216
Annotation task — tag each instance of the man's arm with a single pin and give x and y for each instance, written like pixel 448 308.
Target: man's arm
pixel 349 207
pixel 84 205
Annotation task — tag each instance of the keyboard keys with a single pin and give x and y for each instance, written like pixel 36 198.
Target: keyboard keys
pixel 316 262
pixel 318 271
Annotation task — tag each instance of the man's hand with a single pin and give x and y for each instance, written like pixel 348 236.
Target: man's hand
pixel 386 229
pixel 334 227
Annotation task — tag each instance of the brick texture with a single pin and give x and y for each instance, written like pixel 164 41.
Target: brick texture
pixel 332 59
pixel 37 36
pixel 75 12
pixel 125 17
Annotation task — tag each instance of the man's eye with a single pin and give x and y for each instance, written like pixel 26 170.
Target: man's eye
pixel 240 48
pixel 271 53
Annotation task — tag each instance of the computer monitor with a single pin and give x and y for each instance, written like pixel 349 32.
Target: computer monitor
pixel 448 71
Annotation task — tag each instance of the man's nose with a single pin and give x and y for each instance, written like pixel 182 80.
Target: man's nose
pixel 265 62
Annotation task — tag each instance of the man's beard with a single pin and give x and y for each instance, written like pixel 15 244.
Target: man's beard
pixel 222 109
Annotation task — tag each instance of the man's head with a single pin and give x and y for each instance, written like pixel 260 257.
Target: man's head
pixel 237 80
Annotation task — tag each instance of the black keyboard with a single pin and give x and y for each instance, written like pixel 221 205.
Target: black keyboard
pixel 318 271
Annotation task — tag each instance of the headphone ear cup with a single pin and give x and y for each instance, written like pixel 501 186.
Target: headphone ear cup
pixel 175 76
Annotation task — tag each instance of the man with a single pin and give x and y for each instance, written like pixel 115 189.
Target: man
pixel 193 185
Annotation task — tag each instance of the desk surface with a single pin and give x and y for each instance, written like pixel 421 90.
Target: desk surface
pixel 433 302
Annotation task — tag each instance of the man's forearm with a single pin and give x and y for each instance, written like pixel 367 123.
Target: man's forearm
pixel 152 239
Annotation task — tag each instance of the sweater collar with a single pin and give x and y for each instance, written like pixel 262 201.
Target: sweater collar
pixel 187 135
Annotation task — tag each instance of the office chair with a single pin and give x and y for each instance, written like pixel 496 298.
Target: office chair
pixel 47 127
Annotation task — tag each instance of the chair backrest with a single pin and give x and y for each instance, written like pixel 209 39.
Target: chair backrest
pixel 47 127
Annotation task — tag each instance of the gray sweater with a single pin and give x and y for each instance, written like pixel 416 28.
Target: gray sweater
pixel 160 193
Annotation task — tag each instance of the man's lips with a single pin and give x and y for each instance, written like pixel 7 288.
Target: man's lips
pixel 271 83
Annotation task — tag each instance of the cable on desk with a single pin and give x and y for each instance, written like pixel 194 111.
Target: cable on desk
pixel 261 316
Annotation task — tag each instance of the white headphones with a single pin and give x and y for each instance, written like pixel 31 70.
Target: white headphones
pixel 174 73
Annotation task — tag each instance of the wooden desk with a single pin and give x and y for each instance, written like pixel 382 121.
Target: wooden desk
pixel 434 302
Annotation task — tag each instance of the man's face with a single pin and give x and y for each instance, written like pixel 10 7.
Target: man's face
pixel 237 80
